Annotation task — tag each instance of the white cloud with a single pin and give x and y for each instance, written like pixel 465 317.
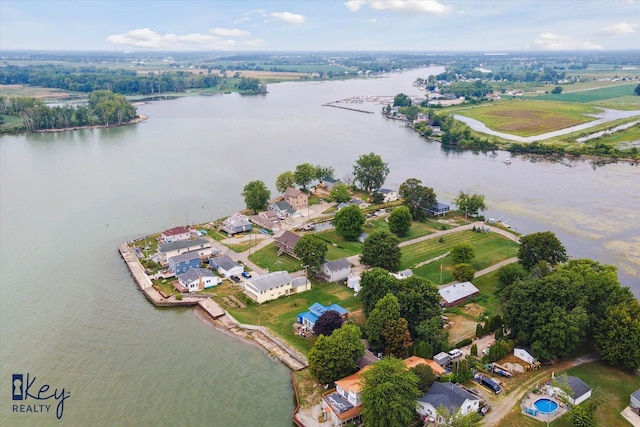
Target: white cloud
pixel 149 39
pixel 292 18
pixel 421 6
pixel 617 29
pixel 552 41
pixel 229 32
pixel 241 20
pixel 253 43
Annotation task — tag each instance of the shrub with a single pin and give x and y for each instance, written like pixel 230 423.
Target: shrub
pixel 179 297
pixel 464 342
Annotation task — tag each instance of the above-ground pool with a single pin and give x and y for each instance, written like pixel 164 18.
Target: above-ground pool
pixel 545 406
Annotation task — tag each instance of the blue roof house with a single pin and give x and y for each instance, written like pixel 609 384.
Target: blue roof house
pixel 184 262
pixel 310 317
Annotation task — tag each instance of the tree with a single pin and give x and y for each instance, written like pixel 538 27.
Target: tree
pixel 328 322
pixel 323 172
pixel 256 195
pixel 556 90
pixel 542 246
pixel 510 273
pixel 311 250
pixel 349 221
pixel 333 357
pixel 637 89
pixel 425 375
pixel 400 221
pixel 340 193
pixel 583 415
pixel 381 250
pixel 419 300
pixel 397 338
pixel 374 285
pixel 370 171
pixel 304 174
pixel 618 335
pixel 474 350
pixel 463 272
pixel 417 197
pixel 284 181
pixel 385 315
pixel 431 337
pixel 401 100
pixel 462 253
pixel 458 419
pixel 389 394
pixel 470 204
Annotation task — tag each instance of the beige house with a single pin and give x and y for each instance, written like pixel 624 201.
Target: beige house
pixel 296 198
pixel 274 285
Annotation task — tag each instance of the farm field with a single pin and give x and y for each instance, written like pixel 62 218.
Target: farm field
pixel 591 95
pixel 35 92
pixel 528 117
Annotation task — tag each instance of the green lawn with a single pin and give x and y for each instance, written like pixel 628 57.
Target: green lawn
pixel 490 296
pixel 603 93
pixel 267 257
pixel 280 315
pixel 490 249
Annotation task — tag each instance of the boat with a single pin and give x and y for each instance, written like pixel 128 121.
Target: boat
pixel 507 161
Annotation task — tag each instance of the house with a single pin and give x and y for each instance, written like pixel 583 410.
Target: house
pixel 283 209
pixel 296 198
pixel 174 234
pixel 198 279
pixel 171 249
pixel 449 395
pixel 442 358
pixel 404 274
pixel 327 184
pixel 334 271
pixel 524 353
pixel 224 265
pixel 360 203
pixel 267 220
pixel 634 402
pixel 236 223
pixel 579 390
pixel 310 317
pixel 439 209
pixel 457 293
pixel 413 361
pixel 184 262
pixel 389 195
pixel 286 243
pixel 274 285
pixel 342 205
pixel 343 403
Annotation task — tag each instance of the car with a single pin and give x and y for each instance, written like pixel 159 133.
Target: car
pixel 484 409
pixel 234 278
pixel 246 275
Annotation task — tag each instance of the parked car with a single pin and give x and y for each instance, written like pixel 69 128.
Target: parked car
pixel 246 275
pixel 234 278
pixel 484 409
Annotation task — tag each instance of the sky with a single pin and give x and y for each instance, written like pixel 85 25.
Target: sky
pixel 320 25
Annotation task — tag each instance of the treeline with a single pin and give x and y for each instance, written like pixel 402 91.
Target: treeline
pixel 89 79
pixel 508 73
pixel 104 108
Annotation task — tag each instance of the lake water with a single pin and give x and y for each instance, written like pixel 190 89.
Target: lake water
pixel 72 316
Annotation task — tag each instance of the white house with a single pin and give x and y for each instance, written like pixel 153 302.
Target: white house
pixel 404 274
pixel 334 271
pixel 226 266
pixel 451 396
pixel 274 285
pixel 174 234
pixel 524 353
pixel 171 249
pixel 198 279
pixel 635 400
pixel 579 390
pixel 236 223
pixel 389 195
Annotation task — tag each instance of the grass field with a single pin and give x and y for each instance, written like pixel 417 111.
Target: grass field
pixel 490 249
pixel 282 313
pixel 592 95
pixel 528 118
pixel 490 296
pixel 624 139
pixel 267 257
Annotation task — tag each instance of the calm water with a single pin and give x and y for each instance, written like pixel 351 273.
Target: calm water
pixel 71 315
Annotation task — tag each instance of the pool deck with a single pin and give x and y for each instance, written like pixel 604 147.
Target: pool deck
pixel 530 398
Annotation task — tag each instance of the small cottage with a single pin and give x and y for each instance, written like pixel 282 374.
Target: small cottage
pixel 524 353
pixel 334 271
pixel 236 223
pixel 174 234
pixel 449 395
pixel 198 279
pixel 389 195
pixel 225 266
pixel 310 317
pixel 579 390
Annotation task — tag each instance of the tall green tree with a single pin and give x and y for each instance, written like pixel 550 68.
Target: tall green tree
pixel 400 221
pixel 462 253
pixel 401 100
pixel 431 338
pixel 542 246
pixel 284 181
pixel 389 394
pixel 417 197
pixel 370 171
pixel 397 338
pixel 311 250
pixel 304 174
pixel 425 375
pixel 374 285
pixel 510 273
pixel 384 315
pixel 323 172
pixel 463 272
pixel 349 221
pixel 256 195
pixel 381 249
pixel 340 193
pixel 333 357
pixel 618 335
pixel 470 204
pixel 583 415
pixel 419 301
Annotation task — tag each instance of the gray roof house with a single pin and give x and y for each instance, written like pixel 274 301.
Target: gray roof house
pixel 449 395
pixel 283 209
pixel 171 249
pixel 580 390
pixel 236 223
pixel 286 243
pixel 334 271
pixel 198 279
pixel 226 266
pixel 389 195
pixel 274 285
pixel 456 293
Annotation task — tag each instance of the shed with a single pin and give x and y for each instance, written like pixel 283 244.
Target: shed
pixel 457 293
pixel 524 353
pixel 442 358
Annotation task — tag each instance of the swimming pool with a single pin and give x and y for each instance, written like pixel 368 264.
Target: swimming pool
pixel 546 406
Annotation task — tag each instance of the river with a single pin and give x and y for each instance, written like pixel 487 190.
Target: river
pixel 71 315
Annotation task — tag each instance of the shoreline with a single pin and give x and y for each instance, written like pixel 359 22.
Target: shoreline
pixel 139 119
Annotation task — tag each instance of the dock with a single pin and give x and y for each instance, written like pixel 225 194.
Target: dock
pixel 211 308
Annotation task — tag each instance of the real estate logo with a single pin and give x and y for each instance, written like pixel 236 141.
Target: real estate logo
pixel 24 388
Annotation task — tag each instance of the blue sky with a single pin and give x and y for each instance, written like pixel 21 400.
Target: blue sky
pixel 347 25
